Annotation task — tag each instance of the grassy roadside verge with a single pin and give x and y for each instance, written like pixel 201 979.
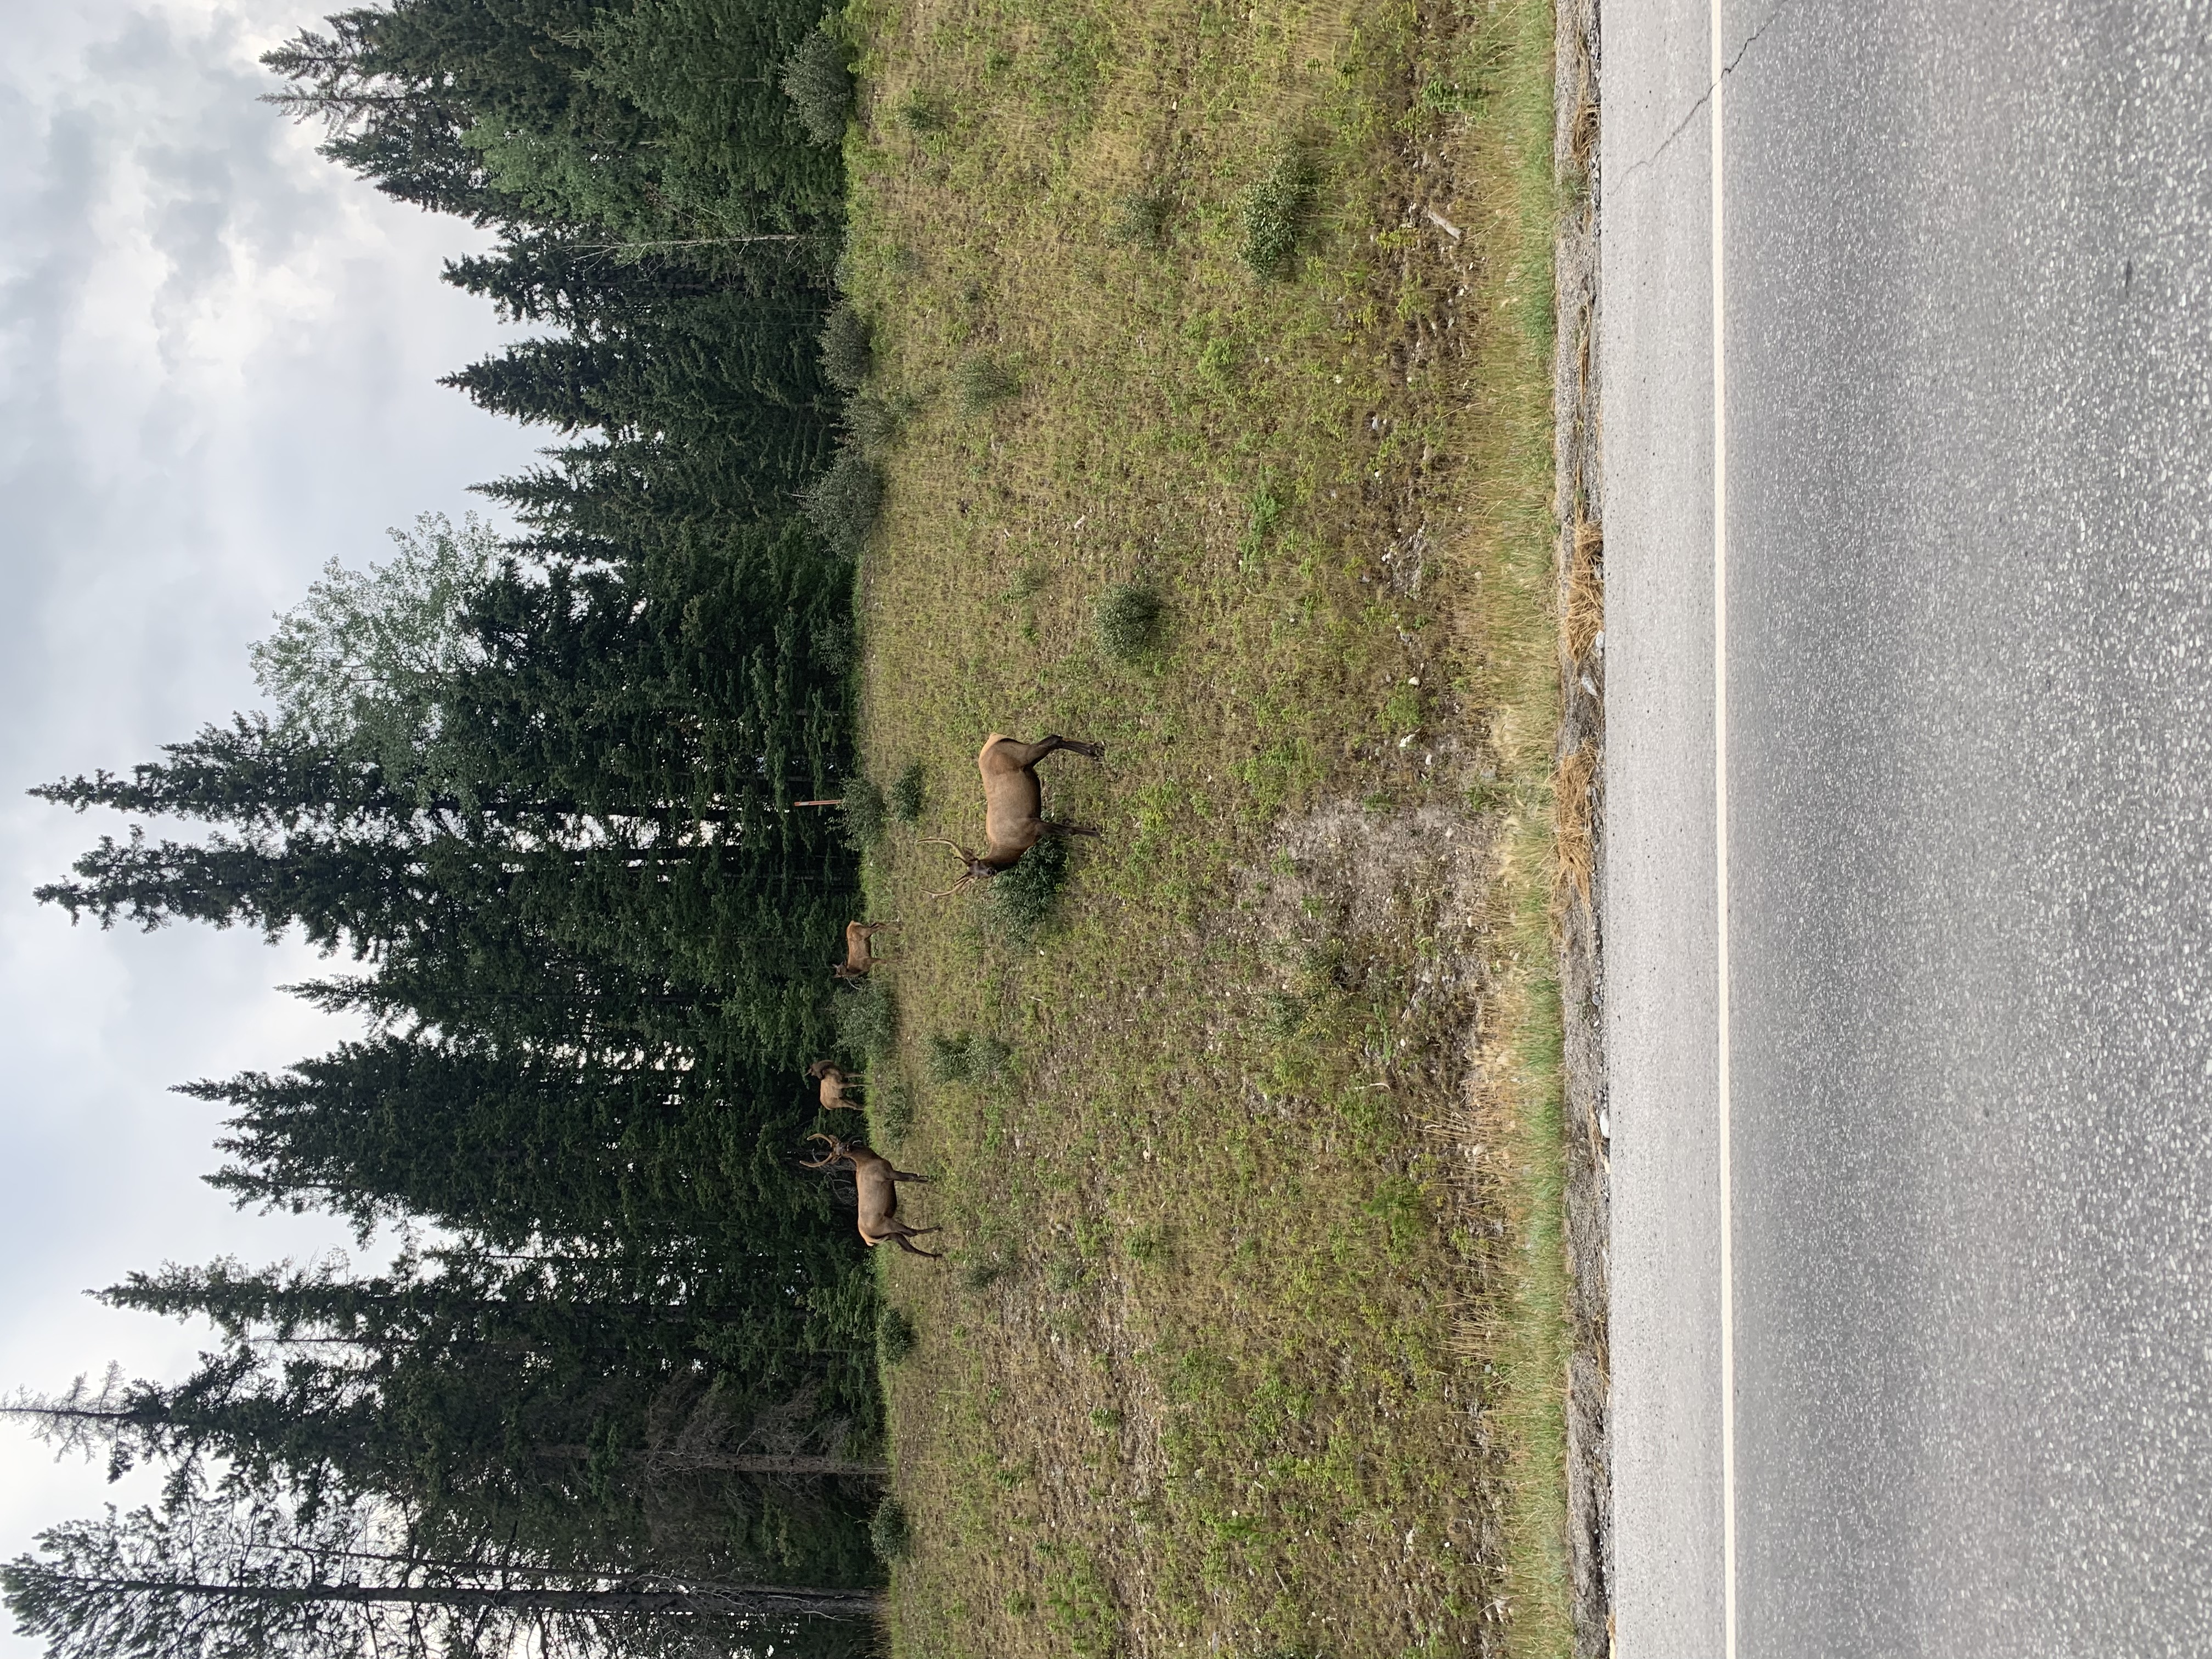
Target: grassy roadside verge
pixel 1252 1334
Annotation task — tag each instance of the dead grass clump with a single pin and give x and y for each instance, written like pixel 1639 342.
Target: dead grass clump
pixel 1572 828
pixel 1585 619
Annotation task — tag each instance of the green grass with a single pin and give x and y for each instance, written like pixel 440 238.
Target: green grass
pixel 1251 1335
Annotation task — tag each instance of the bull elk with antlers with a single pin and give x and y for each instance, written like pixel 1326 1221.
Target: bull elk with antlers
pixel 876 1184
pixel 834 1082
pixel 1013 820
pixel 859 958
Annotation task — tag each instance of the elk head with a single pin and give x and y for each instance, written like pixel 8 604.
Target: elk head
pixel 978 868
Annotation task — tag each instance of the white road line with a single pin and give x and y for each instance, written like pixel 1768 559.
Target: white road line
pixel 1721 858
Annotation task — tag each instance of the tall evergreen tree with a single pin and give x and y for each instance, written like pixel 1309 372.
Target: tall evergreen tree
pixel 241 1573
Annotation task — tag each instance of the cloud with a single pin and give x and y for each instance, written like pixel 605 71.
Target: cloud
pixel 217 366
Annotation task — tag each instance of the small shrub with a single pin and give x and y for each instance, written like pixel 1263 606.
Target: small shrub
pixel 1128 621
pixel 985 381
pixel 1024 898
pixel 892 1116
pixel 982 1276
pixel 848 352
pixel 1065 1273
pixel 820 86
pixel 875 422
pixel 906 794
pixel 895 1335
pixel 961 1058
pixel 1141 218
pixel 1149 1245
pixel 862 814
pixel 945 1058
pixel 867 1021
pixel 924 111
pixel 841 503
pixel 1285 1015
pixel 1274 211
pixel 987 1059
pixel 889 1533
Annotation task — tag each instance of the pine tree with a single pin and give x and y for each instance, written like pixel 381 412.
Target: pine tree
pixel 241 1573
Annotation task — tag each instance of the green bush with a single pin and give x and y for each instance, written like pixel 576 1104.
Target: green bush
pixel 985 381
pixel 889 1532
pixel 1274 211
pixel 982 1276
pixel 862 812
pixel 1023 899
pixel 987 1059
pixel 841 503
pixel 848 352
pixel 895 1335
pixel 924 111
pixel 1128 621
pixel 906 794
pixel 820 86
pixel 1141 218
pixel 961 1058
pixel 890 1114
pixel 945 1058
pixel 868 1020
pixel 875 422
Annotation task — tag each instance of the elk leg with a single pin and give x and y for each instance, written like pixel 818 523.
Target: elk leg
pixel 1074 745
pixel 908 1174
pixel 1067 828
pixel 1021 757
pixel 901 1240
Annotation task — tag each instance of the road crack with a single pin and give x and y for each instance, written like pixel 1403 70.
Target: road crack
pixel 1706 96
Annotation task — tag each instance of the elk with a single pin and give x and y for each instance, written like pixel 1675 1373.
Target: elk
pixel 1012 819
pixel 833 1083
pixel 859 957
pixel 875 1185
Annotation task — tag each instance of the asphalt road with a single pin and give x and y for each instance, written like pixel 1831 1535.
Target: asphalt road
pixel 1947 1389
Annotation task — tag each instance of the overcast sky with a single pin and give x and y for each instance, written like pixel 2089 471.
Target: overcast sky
pixel 218 358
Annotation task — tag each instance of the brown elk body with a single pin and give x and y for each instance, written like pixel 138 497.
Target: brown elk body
pixel 859 958
pixel 834 1082
pixel 1013 802
pixel 875 1183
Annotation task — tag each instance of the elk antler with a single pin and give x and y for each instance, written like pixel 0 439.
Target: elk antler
pixel 965 858
pixel 837 1150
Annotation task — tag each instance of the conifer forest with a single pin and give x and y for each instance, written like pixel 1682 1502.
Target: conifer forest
pixel 535 794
